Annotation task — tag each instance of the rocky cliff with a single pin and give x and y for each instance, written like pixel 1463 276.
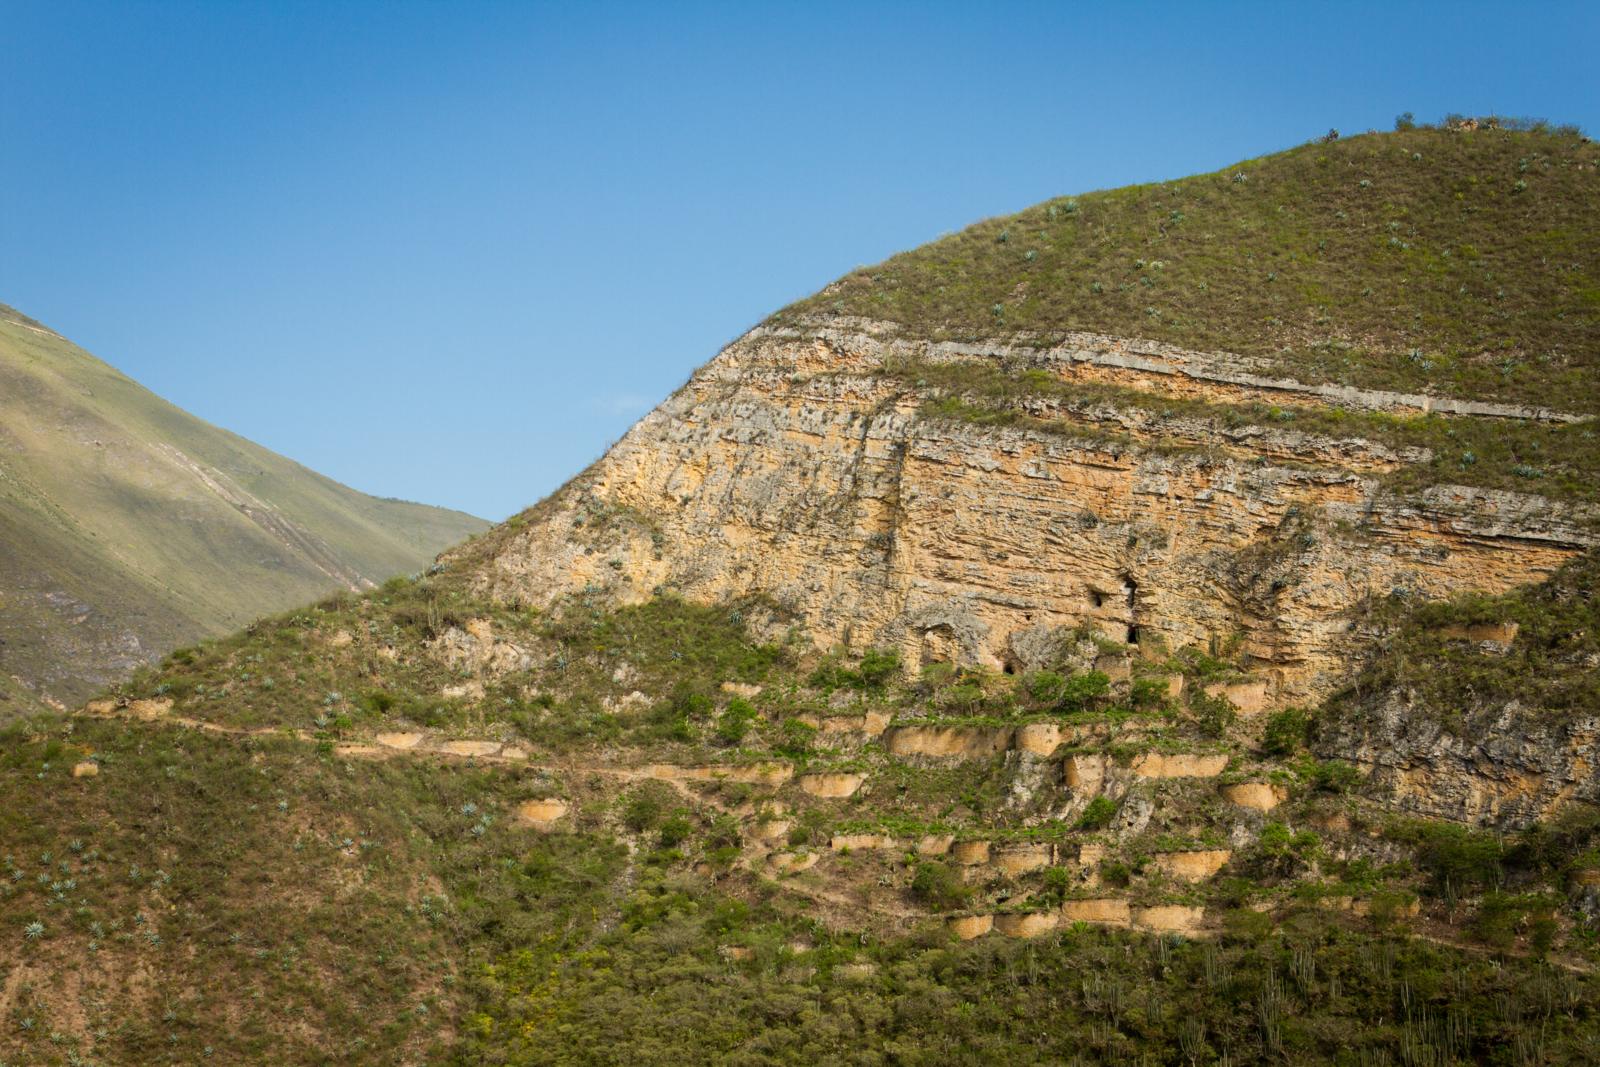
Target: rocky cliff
pixel 1482 711
pixel 808 464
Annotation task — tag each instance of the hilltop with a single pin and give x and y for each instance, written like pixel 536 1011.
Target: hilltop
pixel 132 527
pixel 909 687
pixel 1460 260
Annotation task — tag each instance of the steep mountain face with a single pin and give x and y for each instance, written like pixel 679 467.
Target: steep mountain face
pixel 803 464
pixel 933 456
pixel 1159 626
pixel 129 527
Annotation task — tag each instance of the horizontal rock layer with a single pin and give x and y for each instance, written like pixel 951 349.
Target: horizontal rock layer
pixel 792 466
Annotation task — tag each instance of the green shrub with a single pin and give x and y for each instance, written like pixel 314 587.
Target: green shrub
pixel 794 738
pixel 642 812
pixel 1282 851
pixel 938 886
pixel 734 723
pixel 1458 857
pixel 1083 691
pixel 1116 873
pixel 1213 714
pixel 1147 693
pixel 675 831
pixel 672 720
pixel 1098 815
pixel 1286 732
pixel 968 696
pixel 1501 916
pixel 1064 694
pixel 1044 686
pixel 1548 849
pixel 1056 882
pixel 878 666
pixel 1331 776
pixel 876 669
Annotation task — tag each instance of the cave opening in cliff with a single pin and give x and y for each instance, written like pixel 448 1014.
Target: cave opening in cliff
pixel 1097 598
pixel 1133 635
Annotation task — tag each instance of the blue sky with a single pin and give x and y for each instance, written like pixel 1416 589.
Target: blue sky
pixel 450 251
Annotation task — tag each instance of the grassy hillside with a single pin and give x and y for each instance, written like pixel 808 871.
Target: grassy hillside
pixel 247 876
pixel 131 526
pixel 1428 259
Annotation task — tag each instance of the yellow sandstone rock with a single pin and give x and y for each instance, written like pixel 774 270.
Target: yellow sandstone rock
pixel 963 741
pixel 542 814
pixel 1109 911
pixel 831 785
pixel 1169 919
pixel 1020 859
pixel 1260 796
pixel 470 748
pixel 967 927
pixel 1026 924
pixel 854 842
pixel 977 514
pixel 1193 866
pixel 970 853
pixel 792 862
pixel 1250 697
pixel 1162 765
pixel 1038 738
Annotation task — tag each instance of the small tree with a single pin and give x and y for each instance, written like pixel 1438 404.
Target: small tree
pixel 1098 815
pixel 1213 714
pixel 1286 732
pixel 734 723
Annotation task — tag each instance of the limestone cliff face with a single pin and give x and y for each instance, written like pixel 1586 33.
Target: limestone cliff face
pixel 791 465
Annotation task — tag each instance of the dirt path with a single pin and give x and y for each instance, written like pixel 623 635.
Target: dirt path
pixel 398 745
pixel 418 745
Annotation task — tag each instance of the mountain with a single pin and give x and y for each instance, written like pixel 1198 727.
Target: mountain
pixel 131 527
pixel 959 668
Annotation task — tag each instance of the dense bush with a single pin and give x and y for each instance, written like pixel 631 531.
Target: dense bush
pixel 1286 732
pixel 1098 815
pixel 734 722
pixel 938 886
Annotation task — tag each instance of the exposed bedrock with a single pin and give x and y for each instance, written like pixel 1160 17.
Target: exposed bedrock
pixel 791 466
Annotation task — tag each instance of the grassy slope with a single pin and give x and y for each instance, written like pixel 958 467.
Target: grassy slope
pixel 1478 250
pixel 101 502
pixel 231 900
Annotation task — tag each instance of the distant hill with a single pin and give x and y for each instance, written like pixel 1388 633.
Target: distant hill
pixel 128 526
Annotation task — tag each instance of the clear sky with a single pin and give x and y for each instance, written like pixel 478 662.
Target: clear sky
pixel 450 251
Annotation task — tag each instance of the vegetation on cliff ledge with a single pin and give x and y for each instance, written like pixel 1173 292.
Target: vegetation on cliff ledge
pixel 248 872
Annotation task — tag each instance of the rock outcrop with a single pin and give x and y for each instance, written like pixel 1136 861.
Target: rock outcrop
pixel 1507 767
pixel 795 465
